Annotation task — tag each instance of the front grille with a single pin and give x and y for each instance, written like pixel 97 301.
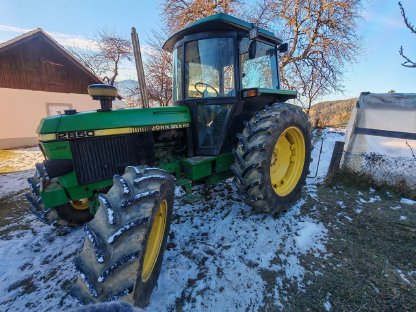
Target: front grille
pixel 97 159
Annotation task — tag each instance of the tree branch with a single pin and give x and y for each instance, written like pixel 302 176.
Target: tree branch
pixel 411 27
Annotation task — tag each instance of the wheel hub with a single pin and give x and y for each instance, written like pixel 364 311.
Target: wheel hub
pixel 80 204
pixel 288 158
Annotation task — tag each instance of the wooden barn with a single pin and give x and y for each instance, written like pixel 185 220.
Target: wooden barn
pixel 38 78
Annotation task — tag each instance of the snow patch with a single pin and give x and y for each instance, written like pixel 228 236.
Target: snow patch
pixel 407 201
pixel 309 236
pixel 110 213
pixel 370 200
pixel 14 182
pixel 403 276
pixel 327 140
pixel 327 305
pixel 179 192
pixel 341 204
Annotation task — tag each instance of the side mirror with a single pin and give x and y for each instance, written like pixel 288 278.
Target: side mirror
pixel 283 47
pixel 252 48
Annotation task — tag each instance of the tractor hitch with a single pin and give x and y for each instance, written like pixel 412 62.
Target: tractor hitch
pixel 36 184
pixel 46 216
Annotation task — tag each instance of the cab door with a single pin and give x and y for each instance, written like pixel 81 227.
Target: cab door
pixel 210 90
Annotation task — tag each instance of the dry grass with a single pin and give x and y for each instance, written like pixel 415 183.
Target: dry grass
pixel 370 264
pixel 361 180
pixel 19 160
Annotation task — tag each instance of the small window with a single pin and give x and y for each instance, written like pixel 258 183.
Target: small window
pixel 56 109
pixel 261 71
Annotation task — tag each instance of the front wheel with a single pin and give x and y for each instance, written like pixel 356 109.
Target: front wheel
pixel 123 251
pixel 272 157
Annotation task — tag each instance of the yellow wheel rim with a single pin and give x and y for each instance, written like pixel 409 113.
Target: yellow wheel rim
pixel 287 162
pixel 154 242
pixel 80 204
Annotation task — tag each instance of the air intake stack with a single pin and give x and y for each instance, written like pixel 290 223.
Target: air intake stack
pixel 106 94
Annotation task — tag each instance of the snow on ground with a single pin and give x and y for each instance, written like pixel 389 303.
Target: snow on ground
pixel 14 182
pixel 322 152
pixel 323 143
pixel 15 167
pixel 220 255
pixel 225 250
pixel 36 265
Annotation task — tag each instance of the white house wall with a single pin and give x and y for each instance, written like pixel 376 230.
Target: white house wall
pixel 22 110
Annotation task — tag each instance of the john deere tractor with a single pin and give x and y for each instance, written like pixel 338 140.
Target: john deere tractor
pixel 117 168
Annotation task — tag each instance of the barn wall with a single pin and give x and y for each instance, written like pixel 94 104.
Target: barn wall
pixel 36 64
pixel 22 110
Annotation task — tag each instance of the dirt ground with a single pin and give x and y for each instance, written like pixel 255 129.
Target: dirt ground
pixel 338 248
pixel 370 263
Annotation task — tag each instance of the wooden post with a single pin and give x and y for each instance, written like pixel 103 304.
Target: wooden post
pixel 139 67
pixel 335 159
pixel 316 126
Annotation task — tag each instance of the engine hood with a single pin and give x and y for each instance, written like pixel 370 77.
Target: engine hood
pixel 130 120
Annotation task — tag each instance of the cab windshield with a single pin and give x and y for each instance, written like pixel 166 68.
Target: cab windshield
pixel 209 68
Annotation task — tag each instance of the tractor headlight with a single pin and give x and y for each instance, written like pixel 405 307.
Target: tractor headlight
pixel 58 167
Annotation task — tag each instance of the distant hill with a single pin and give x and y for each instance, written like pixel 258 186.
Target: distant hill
pixel 125 86
pixel 332 113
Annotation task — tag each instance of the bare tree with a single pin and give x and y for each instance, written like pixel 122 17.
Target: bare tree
pixel 407 61
pixel 157 62
pixel 158 68
pixel 313 81
pixel 157 65
pixel 178 13
pixel 322 41
pixel 106 55
pixel 321 34
pixel 131 95
pixel 259 12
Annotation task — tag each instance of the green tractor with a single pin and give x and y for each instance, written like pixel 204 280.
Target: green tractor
pixel 117 169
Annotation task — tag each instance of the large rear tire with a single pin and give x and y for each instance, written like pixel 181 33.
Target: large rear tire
pixel 272 157
pixel 125 242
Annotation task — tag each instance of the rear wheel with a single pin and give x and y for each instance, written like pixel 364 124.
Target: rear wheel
pixel 125 242
pixel 272 157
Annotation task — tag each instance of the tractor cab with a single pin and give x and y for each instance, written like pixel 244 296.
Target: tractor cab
pixel 224 69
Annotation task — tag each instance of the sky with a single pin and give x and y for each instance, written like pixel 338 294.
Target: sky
pixel 73 22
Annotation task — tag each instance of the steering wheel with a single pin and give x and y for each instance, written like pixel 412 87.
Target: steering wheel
pixel 206 88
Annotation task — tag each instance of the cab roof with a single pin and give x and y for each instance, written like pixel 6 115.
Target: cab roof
pixel 218 22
